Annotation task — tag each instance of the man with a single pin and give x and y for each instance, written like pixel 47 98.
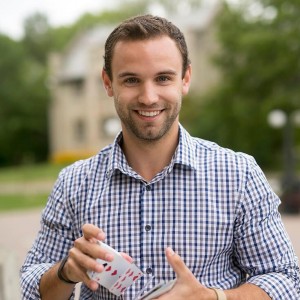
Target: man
pixel 179 206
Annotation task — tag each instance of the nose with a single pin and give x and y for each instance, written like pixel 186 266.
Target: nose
pixel 148 94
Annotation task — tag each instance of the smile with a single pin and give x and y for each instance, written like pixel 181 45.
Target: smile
pixel 149 113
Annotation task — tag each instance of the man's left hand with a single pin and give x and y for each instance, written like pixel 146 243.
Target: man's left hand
pixel 187 286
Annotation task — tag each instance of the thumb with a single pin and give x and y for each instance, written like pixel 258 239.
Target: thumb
pixel 92 233
pixel 177 264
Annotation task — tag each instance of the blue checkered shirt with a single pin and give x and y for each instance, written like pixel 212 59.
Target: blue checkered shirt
pixel 213 206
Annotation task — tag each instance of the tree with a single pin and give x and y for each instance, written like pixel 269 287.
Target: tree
pixel 260 67
pixel 37 39
pixel 23 94
pixel 22 113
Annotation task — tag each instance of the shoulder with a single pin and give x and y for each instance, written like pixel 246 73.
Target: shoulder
pixel 207 156
pixel 89 167
pixel 213 153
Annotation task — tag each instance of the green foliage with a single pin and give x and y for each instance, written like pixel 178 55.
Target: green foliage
pixel 37 40
pixel 259 63
pixel 260 67
pixel 64 34
pixel 22 105
pixel 24 97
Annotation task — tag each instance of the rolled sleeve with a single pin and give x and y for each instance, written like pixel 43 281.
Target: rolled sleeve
pixel 30 280
pixel 262 246
pixel 53 242
pixel 277 285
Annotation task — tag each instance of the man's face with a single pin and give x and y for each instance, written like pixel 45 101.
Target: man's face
pixel 147 86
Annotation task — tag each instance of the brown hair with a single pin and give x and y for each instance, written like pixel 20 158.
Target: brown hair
pixel 142 28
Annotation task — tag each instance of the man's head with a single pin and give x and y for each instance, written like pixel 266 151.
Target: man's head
pixel 147 72
pixel 143 28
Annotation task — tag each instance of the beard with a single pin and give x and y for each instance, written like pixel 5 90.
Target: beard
pixel 148 131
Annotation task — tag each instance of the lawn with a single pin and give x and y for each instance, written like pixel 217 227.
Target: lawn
pixel 25 174
pixel 30 172
pixel 18 202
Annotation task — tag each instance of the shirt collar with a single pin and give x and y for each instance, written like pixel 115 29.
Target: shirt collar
pixel 184 154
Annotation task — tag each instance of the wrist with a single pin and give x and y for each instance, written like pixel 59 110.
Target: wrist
pixel 219 294
pixel 60 272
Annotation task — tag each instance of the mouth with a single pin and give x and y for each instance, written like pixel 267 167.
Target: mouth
pixel 145 113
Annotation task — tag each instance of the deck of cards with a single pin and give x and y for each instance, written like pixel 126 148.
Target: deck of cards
pixel 118 275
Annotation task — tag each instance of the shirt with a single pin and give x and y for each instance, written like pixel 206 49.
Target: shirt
pixel 212 205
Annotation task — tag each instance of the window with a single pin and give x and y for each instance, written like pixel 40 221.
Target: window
pixel 111 126
pixel 79 131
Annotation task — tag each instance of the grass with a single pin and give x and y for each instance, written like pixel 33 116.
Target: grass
pixel 17 202
pixel 30 173
pixel 25 174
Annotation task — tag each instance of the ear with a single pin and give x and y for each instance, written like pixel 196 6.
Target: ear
pixel 186 81
pixel 107 83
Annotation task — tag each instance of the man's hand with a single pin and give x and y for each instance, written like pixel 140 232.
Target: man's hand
pixel 82 257
pixel 187 287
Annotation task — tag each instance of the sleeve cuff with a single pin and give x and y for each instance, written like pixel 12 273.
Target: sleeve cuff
pixel 30 280
pixel 276 285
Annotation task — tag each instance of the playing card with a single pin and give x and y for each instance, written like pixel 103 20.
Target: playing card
pixel 158 290
pixel 132 274
pixel 112 270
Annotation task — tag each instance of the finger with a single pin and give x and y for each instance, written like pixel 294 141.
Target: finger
pixel 84 261
pixel 177 264
pixel 92 249
pixel 78 274
pixel 127 257
pixel 91 231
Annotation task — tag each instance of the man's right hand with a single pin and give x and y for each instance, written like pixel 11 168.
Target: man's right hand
pixel 82 257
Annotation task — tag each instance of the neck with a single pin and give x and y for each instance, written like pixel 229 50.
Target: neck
pixel 148 158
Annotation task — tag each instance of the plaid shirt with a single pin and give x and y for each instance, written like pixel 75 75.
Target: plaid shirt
pixel 213 206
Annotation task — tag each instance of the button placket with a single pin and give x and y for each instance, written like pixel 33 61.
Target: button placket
pixel 147 228
pixel 149 271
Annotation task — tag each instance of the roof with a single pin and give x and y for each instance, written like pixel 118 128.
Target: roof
pixel 76 58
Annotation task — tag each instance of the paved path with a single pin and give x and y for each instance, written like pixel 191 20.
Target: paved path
pixel 27 188
pixel 18 230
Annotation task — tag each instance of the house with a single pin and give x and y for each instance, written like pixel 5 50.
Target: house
pixel 82 119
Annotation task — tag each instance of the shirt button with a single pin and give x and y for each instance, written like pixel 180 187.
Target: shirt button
pixel 149 270
pixel 148 227
pixel 148 188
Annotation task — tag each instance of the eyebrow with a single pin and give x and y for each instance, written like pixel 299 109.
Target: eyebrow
pixel 128 74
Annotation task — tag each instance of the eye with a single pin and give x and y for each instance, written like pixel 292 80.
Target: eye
pixel 163 79
pixel 131 81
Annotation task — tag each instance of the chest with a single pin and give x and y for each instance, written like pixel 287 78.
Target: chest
pixel 142 220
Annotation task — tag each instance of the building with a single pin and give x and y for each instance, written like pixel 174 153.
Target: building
pixel 82 119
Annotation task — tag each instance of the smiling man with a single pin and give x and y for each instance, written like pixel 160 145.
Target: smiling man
pixel 180 206
pixel 147 85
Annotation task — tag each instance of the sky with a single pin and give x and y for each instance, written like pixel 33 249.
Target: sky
pixel 59 12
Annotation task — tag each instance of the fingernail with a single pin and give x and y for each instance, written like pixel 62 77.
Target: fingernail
pixel 94 285
pixel 170 251
pixel 109 257
pixel 99 268
pixel 101 236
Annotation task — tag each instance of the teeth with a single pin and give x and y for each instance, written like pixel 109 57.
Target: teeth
pixel 149 113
